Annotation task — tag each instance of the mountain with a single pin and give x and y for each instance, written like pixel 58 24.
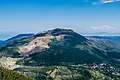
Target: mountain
pixel 109 41
pixel 62 54
pixel 104 38
pixel 100 34
pixel 55 46
pixel 2 43
pixel 19 36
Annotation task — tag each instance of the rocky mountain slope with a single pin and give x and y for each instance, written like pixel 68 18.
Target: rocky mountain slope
pixel 52 46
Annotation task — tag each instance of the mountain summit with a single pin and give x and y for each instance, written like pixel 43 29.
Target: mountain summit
pixel 43 39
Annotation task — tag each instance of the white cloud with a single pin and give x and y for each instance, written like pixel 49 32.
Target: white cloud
pixel 102 28
pixel 96 3
pixel 104 1
pixel 107 1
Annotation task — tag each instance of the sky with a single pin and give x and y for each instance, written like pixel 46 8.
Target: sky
pixel 83 16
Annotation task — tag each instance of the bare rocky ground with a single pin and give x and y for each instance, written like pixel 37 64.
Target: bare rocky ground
pixel 9 62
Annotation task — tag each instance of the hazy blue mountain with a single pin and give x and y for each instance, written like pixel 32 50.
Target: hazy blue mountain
pixel 99 34
pixel 111 40
pixel 2 43
pixel 19 36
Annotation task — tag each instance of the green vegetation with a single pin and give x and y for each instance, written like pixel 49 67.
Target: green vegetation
pixel 65 73
pixel 6 74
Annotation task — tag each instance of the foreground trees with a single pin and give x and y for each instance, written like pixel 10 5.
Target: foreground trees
pixel 6 74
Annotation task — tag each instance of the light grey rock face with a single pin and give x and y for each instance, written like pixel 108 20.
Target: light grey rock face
pixel 9 62
pixel 38 44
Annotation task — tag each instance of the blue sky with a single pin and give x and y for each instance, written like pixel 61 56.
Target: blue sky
pixel 32 16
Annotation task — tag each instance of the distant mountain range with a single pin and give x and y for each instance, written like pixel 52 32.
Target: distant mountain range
pixel 19 36
pixel 100 34
pixel 109 40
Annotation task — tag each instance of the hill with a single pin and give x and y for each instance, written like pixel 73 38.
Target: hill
pixel 113 40
pixel 19 36
pixel 109 43
pixel 2 43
